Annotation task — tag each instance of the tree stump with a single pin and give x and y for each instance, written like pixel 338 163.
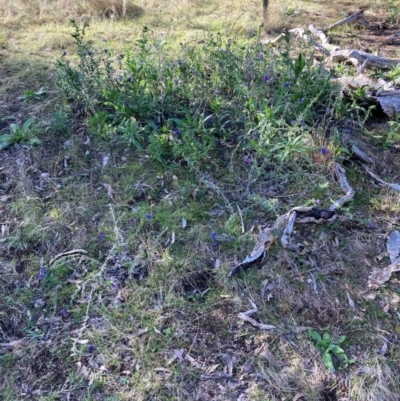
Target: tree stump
pixel 265 10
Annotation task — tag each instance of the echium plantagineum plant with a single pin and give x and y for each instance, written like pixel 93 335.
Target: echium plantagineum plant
pixel 186 105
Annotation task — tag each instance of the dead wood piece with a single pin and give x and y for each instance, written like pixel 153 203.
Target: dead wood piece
pixel 359 57
pixel 254 322
pixel 359 154
pixel 273 41
pixel 396 187
pixel 390 102
pixel 362 21
pixel 323 38
pixel 352 18
pixel 340 173
pixel 393 38
pixel 301 33
pixel 360 81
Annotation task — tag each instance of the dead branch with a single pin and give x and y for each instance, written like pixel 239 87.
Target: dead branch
pixel 358 58
pixel 301 33
pixel 352 18
pixel 323 38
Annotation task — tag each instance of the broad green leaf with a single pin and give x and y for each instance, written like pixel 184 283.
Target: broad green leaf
pixel 314 335
pixel 327 358
pixel 340 339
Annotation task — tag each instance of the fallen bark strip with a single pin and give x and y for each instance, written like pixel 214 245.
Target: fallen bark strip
pixel 283 225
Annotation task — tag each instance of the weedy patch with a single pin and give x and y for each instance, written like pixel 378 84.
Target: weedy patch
pixel 156 169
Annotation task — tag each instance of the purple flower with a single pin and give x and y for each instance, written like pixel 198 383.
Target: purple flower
pixel 88 53
pixel 293 122
pixel 150 216
pixel 371 225
pixel 176 81
pixel 287 84
pixel 177 131
pixel 215 182
pixel 301 122
pixel 64 53
pixel 64 311
pixel 42 273
pixel 91 347
pixel 301 100
pixel 101 236
pixel 179 62
pixel 216 244
pixel 266 78
pixel 213 235
pixel 217 91
pixel 261 56
pixel 317 201
pixel 324 151
pixel 249 160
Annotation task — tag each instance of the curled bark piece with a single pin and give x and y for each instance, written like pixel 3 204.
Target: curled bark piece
pixel 285 239
pixel 393 247
pixel 254 322
pixel 380 276
pixel 340 173
pixel 390 102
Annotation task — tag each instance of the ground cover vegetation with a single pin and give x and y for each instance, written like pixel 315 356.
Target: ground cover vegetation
pixel 135 170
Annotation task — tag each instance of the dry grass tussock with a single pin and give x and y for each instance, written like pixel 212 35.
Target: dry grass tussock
pixel 64 9
pixel 191 14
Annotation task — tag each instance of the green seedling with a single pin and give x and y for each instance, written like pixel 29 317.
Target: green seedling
pixel 27 133
pixel 30 94
pixel 330 349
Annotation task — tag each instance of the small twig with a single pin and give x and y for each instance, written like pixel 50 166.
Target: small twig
pixel 241 218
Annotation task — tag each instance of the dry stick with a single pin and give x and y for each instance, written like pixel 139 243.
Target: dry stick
pixel 396 187
pixel 352 18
